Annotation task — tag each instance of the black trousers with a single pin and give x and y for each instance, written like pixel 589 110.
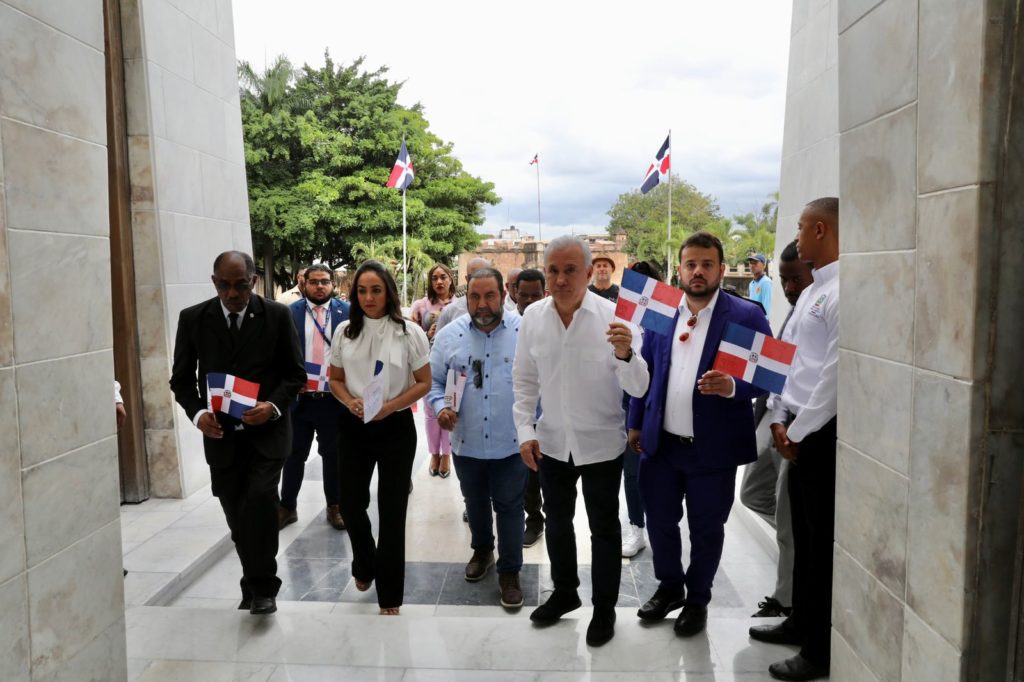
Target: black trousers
pixel 532 502
pixel 320 416
pixel 247 490
pixel 388 445
pixel 601 498
pixel 812 496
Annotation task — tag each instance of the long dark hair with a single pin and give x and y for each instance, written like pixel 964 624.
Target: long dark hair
pixel 392 306
pixel 431 294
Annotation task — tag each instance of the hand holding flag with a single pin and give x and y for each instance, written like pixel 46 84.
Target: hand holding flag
pixel 647 302
pixel 230 394
pixel 754 357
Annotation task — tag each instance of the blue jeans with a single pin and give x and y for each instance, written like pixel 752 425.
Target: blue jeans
pixel 501 483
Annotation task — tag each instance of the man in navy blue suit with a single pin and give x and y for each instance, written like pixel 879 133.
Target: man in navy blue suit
pixel 315 410
pixel 693 429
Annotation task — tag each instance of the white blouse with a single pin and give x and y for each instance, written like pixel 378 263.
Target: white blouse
pixel 382 339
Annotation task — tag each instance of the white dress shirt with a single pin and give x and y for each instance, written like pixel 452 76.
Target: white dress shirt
pixel 575 373
pixel 380 339
pixel 683 366
pixel 811 389
pixel 312 332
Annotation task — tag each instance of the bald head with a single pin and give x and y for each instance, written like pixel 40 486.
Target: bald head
pixel 511 284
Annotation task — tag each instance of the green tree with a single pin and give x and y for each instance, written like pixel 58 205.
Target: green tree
pixel 318 159
pixel 758 233
pixel 644 218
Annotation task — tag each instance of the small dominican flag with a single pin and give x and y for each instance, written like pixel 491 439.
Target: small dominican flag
pixel 754 357
pixel 536 159
pixel 316 377
pixel 230 394
pixel 403 173
pixel 661 165
pixel 647 302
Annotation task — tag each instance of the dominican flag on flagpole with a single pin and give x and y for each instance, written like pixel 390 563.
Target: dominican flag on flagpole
pixel 536 159
pixel 403 173
pixel 754 357
pixel 316 377
pixel 230 394
pixel 661 165
pixel 647 302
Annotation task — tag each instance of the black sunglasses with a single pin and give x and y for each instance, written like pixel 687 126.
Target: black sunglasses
pixel 478 377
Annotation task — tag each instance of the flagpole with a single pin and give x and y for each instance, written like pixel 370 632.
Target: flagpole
pixel 540 233
pixel 668 245
pixel 405 267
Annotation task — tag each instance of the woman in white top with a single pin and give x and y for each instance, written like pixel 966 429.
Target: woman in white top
pixel 377 352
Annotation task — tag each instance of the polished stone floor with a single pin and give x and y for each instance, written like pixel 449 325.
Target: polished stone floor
pixel 449 629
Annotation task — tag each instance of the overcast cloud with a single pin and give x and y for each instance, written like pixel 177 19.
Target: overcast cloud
pixel 592 88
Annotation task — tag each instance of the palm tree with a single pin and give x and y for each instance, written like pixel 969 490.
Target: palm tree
pixel 269 90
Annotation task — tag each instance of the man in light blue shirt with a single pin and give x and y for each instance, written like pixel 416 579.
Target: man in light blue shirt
pixel 760 288
pixel 482 346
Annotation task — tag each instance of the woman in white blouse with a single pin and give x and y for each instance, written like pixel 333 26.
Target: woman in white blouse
pixel 377 352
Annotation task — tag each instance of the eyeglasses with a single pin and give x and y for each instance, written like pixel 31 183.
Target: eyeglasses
pixel 478 377
pixel 318 282
pixel 240 287
pixel 691 323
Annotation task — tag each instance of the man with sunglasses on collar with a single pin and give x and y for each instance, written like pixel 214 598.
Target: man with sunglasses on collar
pixel 481 347
pixel 315 411
pixel 693 429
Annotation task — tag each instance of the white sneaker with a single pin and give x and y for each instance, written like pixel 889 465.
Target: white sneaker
pixel 632 541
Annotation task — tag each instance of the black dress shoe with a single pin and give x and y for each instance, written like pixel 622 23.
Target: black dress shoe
pixel 262 605
pixel 245 604
pixel 797 669
pixel 602 627
pixel 557 605
pixel 660 605
pixel 779 633
pixel 691 621
pixel 771 608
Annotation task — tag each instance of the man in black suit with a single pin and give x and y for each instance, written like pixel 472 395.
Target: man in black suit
pixel 252 338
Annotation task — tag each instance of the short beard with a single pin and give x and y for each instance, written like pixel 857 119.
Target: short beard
pixel 700 297
pixel 325 300
pixel 485 320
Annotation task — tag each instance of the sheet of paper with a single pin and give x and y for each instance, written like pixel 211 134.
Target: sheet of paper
pixel 453 389
pixel 373 395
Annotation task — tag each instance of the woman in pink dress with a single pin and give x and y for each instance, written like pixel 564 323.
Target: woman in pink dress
pixel 440 292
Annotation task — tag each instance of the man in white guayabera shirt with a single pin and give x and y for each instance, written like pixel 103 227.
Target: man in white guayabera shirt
pixel 804 429
pixel 564 359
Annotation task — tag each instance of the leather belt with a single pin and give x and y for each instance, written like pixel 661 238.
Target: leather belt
pixel 316 395
pixel 683 440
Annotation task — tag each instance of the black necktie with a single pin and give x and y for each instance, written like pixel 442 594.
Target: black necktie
pixel 233 326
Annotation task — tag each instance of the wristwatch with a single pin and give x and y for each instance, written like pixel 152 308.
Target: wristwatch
pixel 627 358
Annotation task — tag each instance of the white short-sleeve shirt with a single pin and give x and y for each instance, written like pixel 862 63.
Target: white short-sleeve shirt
pixel 383 339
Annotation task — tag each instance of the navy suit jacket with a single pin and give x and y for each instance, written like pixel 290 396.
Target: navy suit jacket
pixel 339 313
pixel 723 428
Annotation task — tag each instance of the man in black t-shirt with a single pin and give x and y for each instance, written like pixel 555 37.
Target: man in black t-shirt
pixel 602 284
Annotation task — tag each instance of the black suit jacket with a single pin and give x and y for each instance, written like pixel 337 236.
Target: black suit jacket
pixel 267 352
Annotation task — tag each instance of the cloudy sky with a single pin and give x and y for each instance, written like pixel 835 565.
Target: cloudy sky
pixel 592 87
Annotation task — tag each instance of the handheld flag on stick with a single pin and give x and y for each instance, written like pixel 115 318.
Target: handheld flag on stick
pixel 230 394
pixel 754 357
pixel 661 165
pixel 403 173
pixel 647 302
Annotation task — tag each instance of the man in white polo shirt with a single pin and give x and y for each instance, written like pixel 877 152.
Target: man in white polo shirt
pixel 563 358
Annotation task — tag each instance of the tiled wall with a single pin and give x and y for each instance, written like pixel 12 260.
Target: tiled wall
pixel 189 197
pixel 927 485
pixel 61 598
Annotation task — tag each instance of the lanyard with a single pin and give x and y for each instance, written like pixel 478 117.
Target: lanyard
pixel 323 332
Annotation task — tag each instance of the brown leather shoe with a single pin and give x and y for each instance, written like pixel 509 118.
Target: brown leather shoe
pixel 286 517
pixel 511 593
pixel 478 565
pixel 334 517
